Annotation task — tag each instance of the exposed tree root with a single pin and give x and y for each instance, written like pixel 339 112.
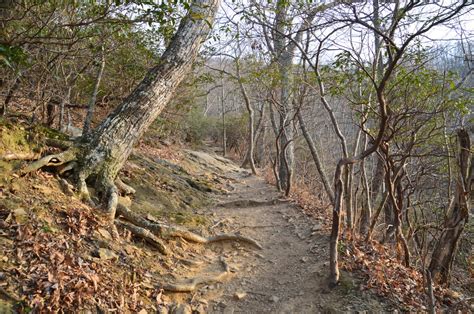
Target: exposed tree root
pixel 67 167
pixel 146 235
pixel 125 188
pixel 189 262
pixel 19 156
pixel 231 237
pixel 83 191
pixel 65 186
pixel 50 160
pixel 192 284
pixel 163 230
pixel 111 200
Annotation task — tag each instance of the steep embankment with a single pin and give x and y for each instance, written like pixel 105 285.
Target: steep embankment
pixel 58 254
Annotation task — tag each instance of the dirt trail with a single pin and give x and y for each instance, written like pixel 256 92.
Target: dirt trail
pixel 289 274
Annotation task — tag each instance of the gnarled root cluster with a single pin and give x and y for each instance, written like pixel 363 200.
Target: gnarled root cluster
pixel 152 232
pixel 69 165
pixel 167 231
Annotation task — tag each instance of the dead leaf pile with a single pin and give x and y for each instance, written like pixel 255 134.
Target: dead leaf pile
pixel 376 262
pixel 386 275
pixel 49 262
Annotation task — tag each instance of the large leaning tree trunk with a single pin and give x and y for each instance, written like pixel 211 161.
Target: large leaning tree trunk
pixel 100 155
pixel 446 247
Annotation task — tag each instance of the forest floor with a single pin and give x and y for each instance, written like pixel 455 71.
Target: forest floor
pixel 56 253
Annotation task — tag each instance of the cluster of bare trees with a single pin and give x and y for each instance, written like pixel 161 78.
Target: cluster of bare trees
pixel 361 88
pixel 56 54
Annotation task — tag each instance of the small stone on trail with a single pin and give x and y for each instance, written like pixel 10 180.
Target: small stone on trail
pixel 240 295
pixel 304 259
pixel 181 309
pixel 274 299
pixel 302 237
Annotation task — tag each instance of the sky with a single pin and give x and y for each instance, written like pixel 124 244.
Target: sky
pixel 460 27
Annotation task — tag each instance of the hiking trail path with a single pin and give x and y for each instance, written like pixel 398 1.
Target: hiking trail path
pixel 289 274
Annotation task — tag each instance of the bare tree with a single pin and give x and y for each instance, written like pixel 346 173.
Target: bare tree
pixel 103 152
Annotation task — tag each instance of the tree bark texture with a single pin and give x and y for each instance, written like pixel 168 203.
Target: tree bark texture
pixel 446 247
pixel 316 157
pixel 104 151
pixel 284 59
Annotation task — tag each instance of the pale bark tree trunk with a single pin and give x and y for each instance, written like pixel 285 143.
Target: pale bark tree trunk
pixel 284 59
pixel 446 247
pixel 64 102
pixel 224 135
pixel 285 167
pixel 276 132
pixel 260 138
pixel 316 157
pixel 101 154
pixel 366 211
pixel 90 109
pixel 377 179
pixel 248 105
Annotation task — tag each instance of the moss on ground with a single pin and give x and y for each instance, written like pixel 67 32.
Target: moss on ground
pixel 14 139
pixel 168 192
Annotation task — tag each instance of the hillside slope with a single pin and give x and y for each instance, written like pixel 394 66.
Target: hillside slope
pixel 58 254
